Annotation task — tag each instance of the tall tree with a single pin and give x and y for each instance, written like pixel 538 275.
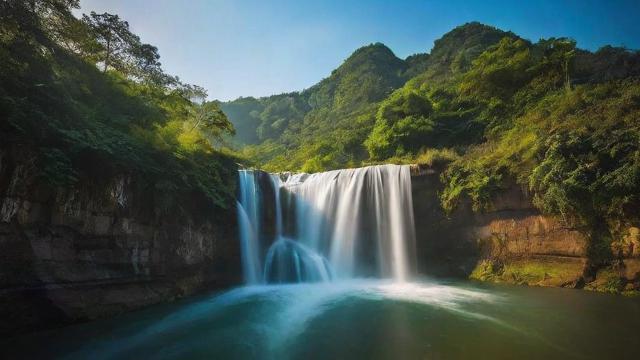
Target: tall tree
pixel 121 49
pixel 145 59
pixel 114 36
pixel 209 119
pixel 39 18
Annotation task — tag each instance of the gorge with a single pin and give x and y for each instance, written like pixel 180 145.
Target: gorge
pixel 481 199
pixel 322 263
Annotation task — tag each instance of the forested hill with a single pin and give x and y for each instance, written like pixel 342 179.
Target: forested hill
pixel 326 125
pixel 489 108
pixel 337 106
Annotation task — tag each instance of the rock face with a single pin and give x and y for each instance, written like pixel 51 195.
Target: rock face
pixel 513 243
pixel 98 249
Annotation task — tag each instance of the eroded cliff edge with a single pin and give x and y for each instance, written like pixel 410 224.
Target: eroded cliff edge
pixel 103 247
pixel 515 243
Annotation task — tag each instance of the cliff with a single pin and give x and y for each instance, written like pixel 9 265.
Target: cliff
pixel 100 248
pixel 515 243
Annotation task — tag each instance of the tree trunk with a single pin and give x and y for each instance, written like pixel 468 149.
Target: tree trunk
pixel 106 57
pixel 567 80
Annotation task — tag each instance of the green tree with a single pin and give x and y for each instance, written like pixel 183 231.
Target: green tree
pixel 114 36
pixel 81 123
pixel 211 121
pixel 120 49
pixel 402 124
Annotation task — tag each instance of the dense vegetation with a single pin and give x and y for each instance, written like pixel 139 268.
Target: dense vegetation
pixel 499 110
pixel 94 103
pixel 330 124
pixel 492 109
pixel 324 126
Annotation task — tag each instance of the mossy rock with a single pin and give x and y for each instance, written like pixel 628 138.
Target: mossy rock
pixel 631 290
pixel 487 270
pixel 607 280
pixel 537 272
pixel 543 272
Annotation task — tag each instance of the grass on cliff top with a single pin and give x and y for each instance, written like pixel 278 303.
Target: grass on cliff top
pixel 428 157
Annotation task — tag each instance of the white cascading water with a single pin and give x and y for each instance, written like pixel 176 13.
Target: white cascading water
pixel 336 224
pixel 249 220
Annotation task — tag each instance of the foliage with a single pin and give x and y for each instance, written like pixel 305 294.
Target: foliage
pixel 402 122
pixel 487 270
pixel 436 157
pixel 575 146
pixel 456 50
pixel 592 148
pixel 90 124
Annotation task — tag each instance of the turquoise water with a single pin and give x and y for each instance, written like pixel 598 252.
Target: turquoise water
pixel 359 320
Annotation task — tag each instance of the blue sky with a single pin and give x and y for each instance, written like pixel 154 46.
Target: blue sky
pixel 254 48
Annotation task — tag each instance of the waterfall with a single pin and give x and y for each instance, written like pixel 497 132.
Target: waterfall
pixel 249 221
pixel 337 224
pixel 277 184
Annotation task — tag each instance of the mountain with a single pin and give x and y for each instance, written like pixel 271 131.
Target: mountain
pixel 367 76
pixel 325 126
pixel 487 108
pixel 320 119
pixel 455 50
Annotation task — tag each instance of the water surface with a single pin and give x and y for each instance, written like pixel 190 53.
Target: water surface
pixel 359 319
